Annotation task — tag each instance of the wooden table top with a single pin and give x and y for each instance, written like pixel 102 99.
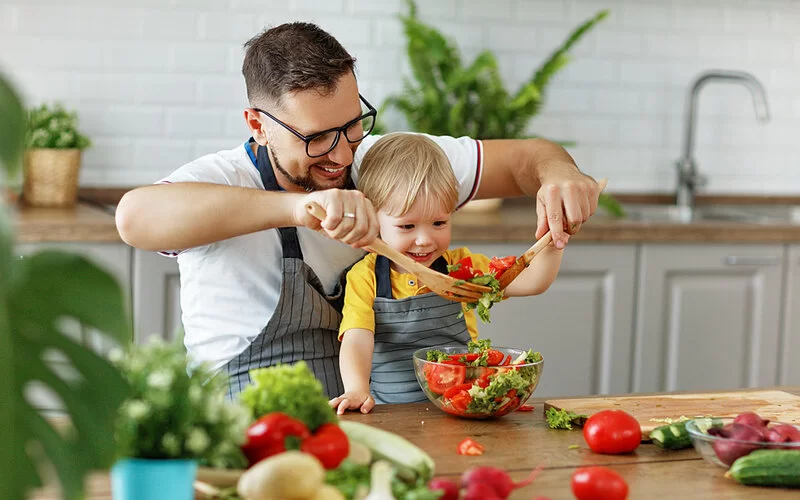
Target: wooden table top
pixel 521 441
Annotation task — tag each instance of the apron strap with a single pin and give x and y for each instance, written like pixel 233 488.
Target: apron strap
pixel 383 276
pixel 289 241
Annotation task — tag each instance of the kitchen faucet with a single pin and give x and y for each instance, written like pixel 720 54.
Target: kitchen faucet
pixel 688 177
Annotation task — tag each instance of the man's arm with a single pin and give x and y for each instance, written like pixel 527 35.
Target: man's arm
pixel 185 215
pixel 565 197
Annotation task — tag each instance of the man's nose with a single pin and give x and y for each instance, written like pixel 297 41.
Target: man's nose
pixel 342 153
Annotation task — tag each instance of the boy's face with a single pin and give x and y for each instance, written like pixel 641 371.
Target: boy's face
pixel 422 234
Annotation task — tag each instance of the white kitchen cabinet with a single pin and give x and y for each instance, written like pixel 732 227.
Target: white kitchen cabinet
pixel 114 258
pixel 789 368
pixel 707 316
pixel 582 325
pixel 156 296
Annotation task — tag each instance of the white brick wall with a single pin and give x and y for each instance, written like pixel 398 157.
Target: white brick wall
pixel 158 82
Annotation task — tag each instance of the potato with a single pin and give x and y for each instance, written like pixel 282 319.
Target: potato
pixel 291 475
pixel 328 492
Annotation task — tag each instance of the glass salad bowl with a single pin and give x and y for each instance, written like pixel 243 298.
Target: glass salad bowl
pixel 478 391
pixel 723 451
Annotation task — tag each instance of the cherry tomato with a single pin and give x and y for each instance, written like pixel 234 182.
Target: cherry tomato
pixel 470 447
pixel 465 271
pixel 494 358
pixel 498 265
pixel 598 483
pixel 612 432
pixel 445 375
pixel 467 356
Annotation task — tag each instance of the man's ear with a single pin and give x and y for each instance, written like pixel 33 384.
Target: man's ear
pixel 253 120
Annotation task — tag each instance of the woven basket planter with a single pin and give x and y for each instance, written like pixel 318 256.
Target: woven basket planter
pixel 51 177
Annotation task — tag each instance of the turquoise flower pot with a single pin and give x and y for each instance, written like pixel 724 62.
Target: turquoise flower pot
pixel 145 479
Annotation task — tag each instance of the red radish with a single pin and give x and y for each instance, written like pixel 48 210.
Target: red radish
pixel 750 418
pixel 481 491
pixel 450 488
pixel 497 479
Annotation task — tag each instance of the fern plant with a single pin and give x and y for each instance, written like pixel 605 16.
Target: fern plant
pixel 446 97
pixel 36 294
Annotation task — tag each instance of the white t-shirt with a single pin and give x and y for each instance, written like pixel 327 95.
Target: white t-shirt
pixel 230 289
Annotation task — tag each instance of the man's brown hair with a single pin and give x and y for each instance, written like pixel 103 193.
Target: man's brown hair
pixel 293 57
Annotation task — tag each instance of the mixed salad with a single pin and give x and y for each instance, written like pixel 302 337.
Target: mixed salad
pixel 463 270
pixel 481 381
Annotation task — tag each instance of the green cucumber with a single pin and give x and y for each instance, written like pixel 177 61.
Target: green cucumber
pixel 411 463
pixel 768 468
pixel 675 436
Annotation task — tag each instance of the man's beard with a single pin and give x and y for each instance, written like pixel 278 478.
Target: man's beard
pixel 306 182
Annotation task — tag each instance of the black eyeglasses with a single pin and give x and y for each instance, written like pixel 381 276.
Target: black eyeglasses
pixel 322 143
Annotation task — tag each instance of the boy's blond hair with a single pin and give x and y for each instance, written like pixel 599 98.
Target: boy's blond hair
pixel 403 167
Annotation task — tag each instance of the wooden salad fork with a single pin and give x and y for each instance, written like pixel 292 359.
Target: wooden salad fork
pixel 440 284
pixel 524 260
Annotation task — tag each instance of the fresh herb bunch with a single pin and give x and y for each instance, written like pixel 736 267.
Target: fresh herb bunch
pixel 562 419
pixel 54 127
pixel 291 389
pixel 172 414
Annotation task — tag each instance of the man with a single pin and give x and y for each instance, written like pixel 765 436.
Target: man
pixel 259 284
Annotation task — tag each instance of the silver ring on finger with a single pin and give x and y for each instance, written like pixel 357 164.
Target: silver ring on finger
pixel 349 215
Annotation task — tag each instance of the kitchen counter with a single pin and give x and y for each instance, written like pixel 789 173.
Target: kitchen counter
pixel 521 441
pixel 83 223
pixel 515 221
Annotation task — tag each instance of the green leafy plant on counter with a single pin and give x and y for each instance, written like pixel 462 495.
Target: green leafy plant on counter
pixel 173 414
pixel 53 127
pixel 447 97
pixel 41 298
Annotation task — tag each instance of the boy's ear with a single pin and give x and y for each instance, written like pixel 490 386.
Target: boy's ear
pixel 254 123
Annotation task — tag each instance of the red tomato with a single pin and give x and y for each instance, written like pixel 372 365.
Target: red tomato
pixel 470 447
pixel 468 356
pixel 445 375
pixel 612 432
pixel 464 272
pixel 498 266
pixel 460 401
pixel 598 483
pixel 508 406
pixel 449 393
pixel 494 358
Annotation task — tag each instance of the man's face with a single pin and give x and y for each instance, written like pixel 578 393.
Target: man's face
pixel 309 112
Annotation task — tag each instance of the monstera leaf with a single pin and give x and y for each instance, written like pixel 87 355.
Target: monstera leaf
pixel 39 296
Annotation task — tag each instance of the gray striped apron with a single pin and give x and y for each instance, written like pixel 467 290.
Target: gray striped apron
pixel 401 327
pixel 306 321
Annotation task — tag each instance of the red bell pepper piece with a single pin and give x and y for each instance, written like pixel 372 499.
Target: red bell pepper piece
pixel 329 444
pixel 267 435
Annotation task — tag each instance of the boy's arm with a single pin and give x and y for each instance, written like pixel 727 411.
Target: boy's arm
pixel 355 363
pixel 538 277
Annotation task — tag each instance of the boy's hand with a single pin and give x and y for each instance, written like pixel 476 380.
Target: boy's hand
pixel 353 400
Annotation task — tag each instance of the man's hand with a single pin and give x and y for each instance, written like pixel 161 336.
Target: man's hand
pixel 564 202
pixel 350 217
pixel 353 400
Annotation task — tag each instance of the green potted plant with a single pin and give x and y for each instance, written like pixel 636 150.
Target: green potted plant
pixel 446 97
pixel 172 422
pixel 52 157
pixel 37 294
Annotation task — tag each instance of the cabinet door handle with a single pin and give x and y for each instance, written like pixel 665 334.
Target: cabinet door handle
pixel 735 260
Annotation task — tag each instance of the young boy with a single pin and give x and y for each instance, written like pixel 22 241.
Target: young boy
pixel 387 314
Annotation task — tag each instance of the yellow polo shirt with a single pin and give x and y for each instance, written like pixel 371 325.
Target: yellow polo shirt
pixel 361 289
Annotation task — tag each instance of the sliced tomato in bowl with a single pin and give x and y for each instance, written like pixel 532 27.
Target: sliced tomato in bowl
pixel 444 375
